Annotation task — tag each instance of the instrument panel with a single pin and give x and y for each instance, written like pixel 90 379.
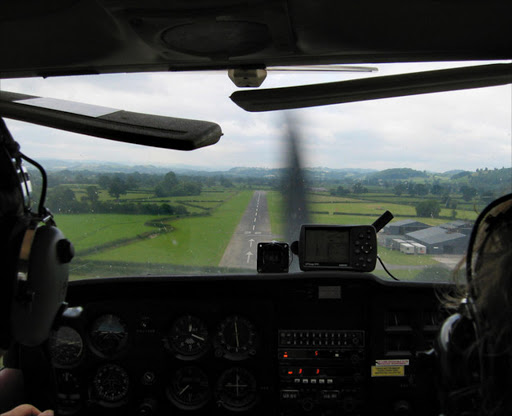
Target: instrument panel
pixel 179 355
pixel 299 344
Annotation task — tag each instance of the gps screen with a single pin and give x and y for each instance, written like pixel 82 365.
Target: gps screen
pixel 327 246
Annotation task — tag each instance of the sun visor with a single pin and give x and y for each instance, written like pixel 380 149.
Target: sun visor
pixel 110 123
pixel 373 88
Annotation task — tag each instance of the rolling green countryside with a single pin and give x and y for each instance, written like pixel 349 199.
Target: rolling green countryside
pixel 172 224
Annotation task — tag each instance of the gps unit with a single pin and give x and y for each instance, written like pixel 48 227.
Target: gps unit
pixel 338 247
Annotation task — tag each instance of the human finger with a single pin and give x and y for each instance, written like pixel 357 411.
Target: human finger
pixel 23 410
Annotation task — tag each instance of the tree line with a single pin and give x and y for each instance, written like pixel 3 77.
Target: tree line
pixel 61 198
pixel 480 187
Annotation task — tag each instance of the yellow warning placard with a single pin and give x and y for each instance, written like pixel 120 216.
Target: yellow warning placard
pixel 388 371
pixel 391 362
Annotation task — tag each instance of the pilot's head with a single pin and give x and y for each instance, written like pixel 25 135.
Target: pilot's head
pixel 475 344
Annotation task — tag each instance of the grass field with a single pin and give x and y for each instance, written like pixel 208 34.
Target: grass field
pixel 363 219
pixel 198 241
pixel 366 208
pixel 333 204
pixel 338 206
pixel 140 244
pixel 395 257
pixel 344 211
pixel 136 242
pixel 87 268
pixel 147 195
pixel 91 230
pixel 334 199
pixel 389 197
pixel 342 219
pixel 404 274
pixel 276 211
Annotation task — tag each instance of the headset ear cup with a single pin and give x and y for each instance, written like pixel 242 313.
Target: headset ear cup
pixel 459 363
pixel 34 257
pixel 37 301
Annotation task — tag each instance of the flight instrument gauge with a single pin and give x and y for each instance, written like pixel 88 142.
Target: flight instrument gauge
pixel 188 338
pixel 236 338
pixel 110 385
pixel 189 388
pixel 237 389
pixel 65 346
pixel 109 335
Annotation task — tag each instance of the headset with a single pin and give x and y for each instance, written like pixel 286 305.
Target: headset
pixel 472 360
pixel 34 254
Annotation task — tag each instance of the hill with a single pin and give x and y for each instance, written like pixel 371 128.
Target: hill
pixel 398 174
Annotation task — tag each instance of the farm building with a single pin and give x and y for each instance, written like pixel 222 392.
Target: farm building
pixel 387 240
pixel 459 226
pixel 404 226
pixel 439 240
pixel 396 243
pixel 406 248
pixel 419 248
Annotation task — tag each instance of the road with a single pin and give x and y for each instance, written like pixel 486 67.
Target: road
pixel 449 260
pixel 254 227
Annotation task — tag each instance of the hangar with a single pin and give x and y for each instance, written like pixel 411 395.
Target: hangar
pixel 404 226
pixel 439 240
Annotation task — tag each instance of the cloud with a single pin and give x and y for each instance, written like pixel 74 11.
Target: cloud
pixel 464 129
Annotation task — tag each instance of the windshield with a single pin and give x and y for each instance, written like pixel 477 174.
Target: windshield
pixel 435 161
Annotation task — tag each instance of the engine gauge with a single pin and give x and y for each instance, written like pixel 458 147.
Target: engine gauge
pixel 237 389
pixel 189 388
pixel 111 384
pixel 65 346
pixel 109 335
pixel 236 338
pixel 188 337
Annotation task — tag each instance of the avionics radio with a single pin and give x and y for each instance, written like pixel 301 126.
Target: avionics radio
pixel 321 369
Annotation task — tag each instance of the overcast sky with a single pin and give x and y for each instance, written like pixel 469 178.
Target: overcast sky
pixel 437 132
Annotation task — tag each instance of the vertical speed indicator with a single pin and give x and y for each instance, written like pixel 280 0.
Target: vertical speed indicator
pixel 189 388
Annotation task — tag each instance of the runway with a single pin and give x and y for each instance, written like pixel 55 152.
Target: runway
pixel 254 227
